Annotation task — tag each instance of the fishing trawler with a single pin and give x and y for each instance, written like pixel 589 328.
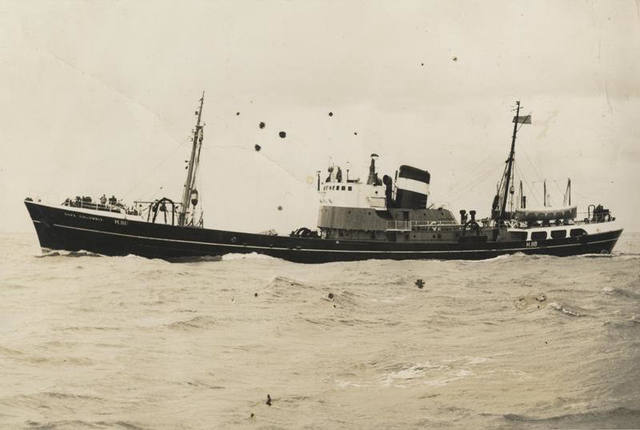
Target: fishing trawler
pixel 382 218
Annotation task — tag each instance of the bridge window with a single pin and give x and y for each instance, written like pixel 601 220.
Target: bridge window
pixel 343 188
pixel 559 234
pixel 518 235
pixel 577 232
pixel 349 188
pixel 539 235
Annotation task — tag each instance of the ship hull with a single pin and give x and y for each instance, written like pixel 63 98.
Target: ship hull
pixel 59 228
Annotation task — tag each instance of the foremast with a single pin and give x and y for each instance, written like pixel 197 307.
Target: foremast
pixel 190 194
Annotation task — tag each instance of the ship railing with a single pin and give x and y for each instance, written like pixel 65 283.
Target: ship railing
pixel 581 218
pixel 401 225
pixel 94 206
pixel 377 202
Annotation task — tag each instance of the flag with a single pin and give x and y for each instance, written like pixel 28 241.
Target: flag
pixel 525 119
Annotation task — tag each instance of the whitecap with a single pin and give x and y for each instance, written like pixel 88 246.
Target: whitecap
pixel 250 256
pixel 566 309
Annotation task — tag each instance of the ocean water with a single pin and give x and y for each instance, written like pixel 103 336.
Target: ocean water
pixel 519 342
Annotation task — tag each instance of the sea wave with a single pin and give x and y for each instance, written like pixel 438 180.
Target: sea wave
pixel 620 292
pixel 73 424
pixel 286 284
pixel 250 256
pixel 571 311
pixel 198 322
pixel 613 418
pixel 81 253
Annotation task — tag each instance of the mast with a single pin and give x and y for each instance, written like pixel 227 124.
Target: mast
pixel 192 168
pixel 522 205
pixel 567 194
pixel 503 207
pixel 544 183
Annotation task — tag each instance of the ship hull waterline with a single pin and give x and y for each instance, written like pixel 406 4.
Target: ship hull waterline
pixel 61 229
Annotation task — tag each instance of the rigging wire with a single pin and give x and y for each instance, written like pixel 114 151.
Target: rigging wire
pixel 528 185
pixel 537 171
pixel 555 182
pixel 479 180
pixel 480 170
pixel 170 154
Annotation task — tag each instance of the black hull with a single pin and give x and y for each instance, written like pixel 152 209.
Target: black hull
pixel 66 229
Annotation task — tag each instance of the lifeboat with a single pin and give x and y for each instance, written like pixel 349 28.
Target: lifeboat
pixel 546 214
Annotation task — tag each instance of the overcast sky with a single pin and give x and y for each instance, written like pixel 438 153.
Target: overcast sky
pixel 98 97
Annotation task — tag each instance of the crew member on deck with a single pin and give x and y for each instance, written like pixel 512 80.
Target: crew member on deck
pixel 330 170
pixel 333 174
